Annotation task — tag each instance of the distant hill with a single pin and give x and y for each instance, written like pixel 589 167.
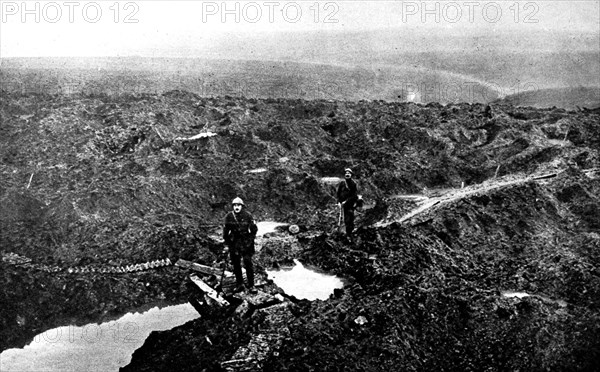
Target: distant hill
pixel 248 78
pixel 510 60
pixel 388 64
pixel 568 98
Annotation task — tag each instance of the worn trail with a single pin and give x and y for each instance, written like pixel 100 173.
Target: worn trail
pixel 428 203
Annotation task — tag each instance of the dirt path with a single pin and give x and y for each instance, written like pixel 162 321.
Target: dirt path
pixel 455 194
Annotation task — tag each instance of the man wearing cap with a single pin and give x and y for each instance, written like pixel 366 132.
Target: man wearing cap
pixel 347 195
pixel 239 233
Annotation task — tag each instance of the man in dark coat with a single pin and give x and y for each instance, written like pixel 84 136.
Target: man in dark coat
pixel 347 195
pixel 239 233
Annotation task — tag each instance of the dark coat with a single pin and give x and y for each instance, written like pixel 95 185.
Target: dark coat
pixel 239 232
pixel 347 191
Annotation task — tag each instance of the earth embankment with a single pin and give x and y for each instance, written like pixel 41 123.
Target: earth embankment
pixel 110 181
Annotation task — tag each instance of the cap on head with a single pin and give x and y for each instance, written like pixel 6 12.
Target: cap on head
pixel 347 170
pixel 237 201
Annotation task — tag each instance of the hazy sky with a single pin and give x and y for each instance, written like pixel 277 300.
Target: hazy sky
pixel 155 28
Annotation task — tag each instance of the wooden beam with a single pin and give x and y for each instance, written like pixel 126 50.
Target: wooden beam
pixel 209 291
pixel 545 176
pixel 208 270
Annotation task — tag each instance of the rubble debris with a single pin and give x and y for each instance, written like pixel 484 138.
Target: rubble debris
pixel 15 259
pixel 361 320
pixel 259 300
pixel 251 356
pixel 243 309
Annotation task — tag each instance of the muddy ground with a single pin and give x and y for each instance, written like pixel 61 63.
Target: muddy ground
pixel 110 181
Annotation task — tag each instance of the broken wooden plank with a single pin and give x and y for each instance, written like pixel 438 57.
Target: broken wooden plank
pixel 242 364
pixel 208 270
pixel 210 292
pixel 196 137
pixel 545 176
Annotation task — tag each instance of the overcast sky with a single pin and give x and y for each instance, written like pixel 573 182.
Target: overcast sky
pixel 154 28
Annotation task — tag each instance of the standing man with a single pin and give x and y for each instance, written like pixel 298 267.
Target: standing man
pixel 239 233
pixel 347 195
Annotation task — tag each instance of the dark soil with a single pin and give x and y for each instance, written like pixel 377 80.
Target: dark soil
pixel 114 184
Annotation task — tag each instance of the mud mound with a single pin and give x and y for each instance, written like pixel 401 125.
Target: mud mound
pixel 436 296
pixel 99 180
pixel 442 283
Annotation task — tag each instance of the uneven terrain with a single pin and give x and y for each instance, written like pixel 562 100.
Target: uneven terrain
pixel 507 200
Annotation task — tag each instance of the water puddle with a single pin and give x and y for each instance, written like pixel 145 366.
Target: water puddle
pixel 304 283
pixel 94 347
pixel 265 227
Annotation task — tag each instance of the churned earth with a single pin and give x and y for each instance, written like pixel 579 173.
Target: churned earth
pixel 466 205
